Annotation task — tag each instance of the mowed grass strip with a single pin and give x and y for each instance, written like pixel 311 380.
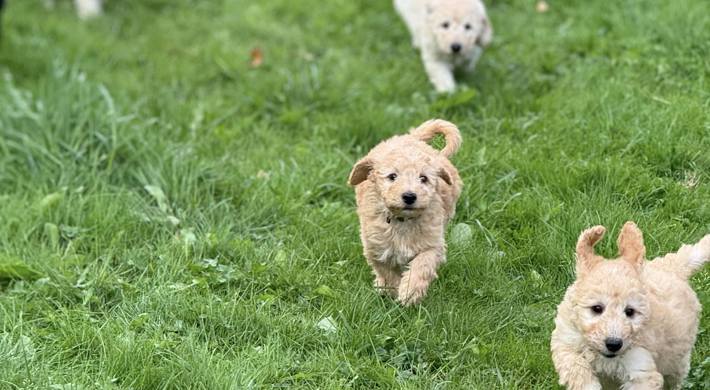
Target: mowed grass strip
pixel 173 217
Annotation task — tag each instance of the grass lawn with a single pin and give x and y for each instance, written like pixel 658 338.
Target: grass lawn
pixel 172 217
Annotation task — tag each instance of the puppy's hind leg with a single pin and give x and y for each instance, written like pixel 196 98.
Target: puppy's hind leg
pixel 674 382
pixel 415 282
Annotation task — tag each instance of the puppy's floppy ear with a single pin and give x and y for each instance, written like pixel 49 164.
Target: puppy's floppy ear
pixel 444 174
pixel 586 258
pixel 361 170
pixel 631 247
pixel 486 35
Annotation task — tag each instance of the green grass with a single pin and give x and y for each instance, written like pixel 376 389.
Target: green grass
pixel 172 218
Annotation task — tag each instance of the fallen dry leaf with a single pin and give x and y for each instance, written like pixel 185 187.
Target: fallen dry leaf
pixel 542 6
pixel 257 57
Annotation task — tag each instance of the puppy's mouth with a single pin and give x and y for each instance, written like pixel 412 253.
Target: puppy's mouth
pixel 405 211
pixel 609 355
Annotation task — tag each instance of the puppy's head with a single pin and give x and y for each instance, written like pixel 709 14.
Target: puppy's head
pixel 610 302
pixel 405 181
pixel 458 26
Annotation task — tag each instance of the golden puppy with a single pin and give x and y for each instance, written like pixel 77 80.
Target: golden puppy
pixel 406 193
pixel 628 322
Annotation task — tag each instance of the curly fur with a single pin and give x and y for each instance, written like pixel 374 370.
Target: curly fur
pixel 404 244
pixel 647 307
pixel 438 27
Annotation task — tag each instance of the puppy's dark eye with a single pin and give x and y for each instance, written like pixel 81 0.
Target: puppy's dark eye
pixel 630 312
pixel 423 179
pixel 392 176
pixel 467 26
pixel 445 25
pixel 597 309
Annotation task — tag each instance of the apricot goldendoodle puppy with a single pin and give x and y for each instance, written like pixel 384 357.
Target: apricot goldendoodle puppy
pixel 406 193
pixel 628 322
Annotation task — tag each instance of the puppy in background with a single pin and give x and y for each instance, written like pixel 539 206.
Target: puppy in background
pixel 406 193
pixel 449 34
pixel 85 9
pixel 628 323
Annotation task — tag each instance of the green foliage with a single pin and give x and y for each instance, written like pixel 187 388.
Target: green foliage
pixel 172 217
pixel 15 269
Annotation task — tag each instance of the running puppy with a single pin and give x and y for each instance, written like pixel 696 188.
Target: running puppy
pixel 85 9
pixel 406 193
pixel 628 323
pixel 448 33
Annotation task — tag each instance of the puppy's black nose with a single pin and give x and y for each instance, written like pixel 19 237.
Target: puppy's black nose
pixel 613 344
pixel 409 198
pixel 455 47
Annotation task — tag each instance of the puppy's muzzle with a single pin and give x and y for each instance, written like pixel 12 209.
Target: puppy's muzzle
pixel 409 198
pixel 455 47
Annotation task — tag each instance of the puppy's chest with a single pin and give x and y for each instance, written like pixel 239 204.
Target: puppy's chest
pixel 611 372
pixel 459 61
pixel 397 245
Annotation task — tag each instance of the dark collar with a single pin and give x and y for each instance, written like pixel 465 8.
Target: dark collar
pixel 389 217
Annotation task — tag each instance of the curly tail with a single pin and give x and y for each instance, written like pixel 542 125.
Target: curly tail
pixel 427 130
pixel 688 260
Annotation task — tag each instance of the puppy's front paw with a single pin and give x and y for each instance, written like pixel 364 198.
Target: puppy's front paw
pixel 445 86
pixel 653 383
pixel 384 288
pixel 411 290
pixel 581 384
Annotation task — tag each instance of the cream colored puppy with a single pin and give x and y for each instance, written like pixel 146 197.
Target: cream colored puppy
pixel 448 33
pixel 628 323
pixel 87 9
pixel 406 193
